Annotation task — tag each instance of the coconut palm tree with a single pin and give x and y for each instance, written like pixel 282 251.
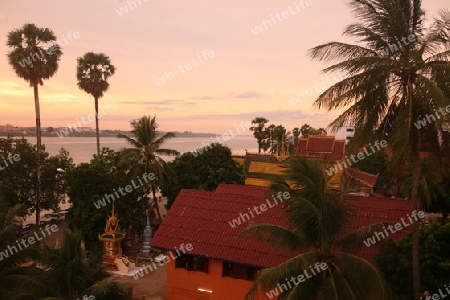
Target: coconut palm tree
pixel 259 132
pixel 93 71
pixel 392 72
pixel 34 57
pixel 70 275
pixel 144 157
pixel 319 216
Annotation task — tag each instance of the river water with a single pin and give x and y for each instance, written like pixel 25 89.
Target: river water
pixel 81 149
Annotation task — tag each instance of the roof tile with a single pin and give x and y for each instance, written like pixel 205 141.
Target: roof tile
pixel 202 219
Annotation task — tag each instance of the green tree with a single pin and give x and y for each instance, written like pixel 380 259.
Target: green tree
pixel 319 217
pixel 18 179
pixel 93 71
pixel 71 276
pixel 17 281
pixel 307 130
pixel 259 132
pixel 204 172
pixel 144 157
pixel 37 44
pixel 280 140
pixel 430 188
pixel 389 88
pixel 88 184
pixel 395 261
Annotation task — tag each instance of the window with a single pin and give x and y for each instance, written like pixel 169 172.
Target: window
pixel 227 270
pixel 192 263
pixel 182 262
pixel 198 264
pixel 237 271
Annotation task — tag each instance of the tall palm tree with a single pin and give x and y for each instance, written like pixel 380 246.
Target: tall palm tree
pixel 318 215
pixel 143 158
pixel 258 131
pixel 281 140
pixel 93 71
pixel 391 81
pixel 34 57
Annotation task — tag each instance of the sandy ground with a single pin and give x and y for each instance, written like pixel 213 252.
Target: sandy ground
pixel 152 286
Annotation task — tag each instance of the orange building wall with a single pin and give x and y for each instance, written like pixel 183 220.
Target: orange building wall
pixel 183 284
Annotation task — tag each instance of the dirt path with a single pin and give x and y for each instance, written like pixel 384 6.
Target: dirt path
pixel 152 286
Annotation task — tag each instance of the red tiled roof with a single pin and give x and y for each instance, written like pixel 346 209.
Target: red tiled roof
pixel 201 218
pixel 301 146
pixel 372 210
pixel 338 151
pixel 242 190
pixel 318 145
pixel 364 179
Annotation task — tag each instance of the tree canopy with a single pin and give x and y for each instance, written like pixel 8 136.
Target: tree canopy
pixel 204 172
pixel 395 261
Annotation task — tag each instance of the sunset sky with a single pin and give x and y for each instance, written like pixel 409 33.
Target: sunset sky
pixel 249 74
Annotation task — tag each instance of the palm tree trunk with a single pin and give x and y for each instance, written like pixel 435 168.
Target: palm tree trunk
pixel 38 142
pixel 96 126
pixel 414 196
pixel 416 236
pixel 156 204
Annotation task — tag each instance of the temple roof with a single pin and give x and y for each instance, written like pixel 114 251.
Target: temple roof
pixel 325 146
pixel 112 231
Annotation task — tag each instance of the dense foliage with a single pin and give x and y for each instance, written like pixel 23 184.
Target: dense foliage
pixel 204 171
pixel 395 261
pixel 88 183
pixel 18 179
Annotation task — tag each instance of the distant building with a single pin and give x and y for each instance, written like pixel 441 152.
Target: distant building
pixel 10 128
pixel 264 170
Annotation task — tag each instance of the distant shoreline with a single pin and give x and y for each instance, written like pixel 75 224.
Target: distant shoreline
pixel 103 133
